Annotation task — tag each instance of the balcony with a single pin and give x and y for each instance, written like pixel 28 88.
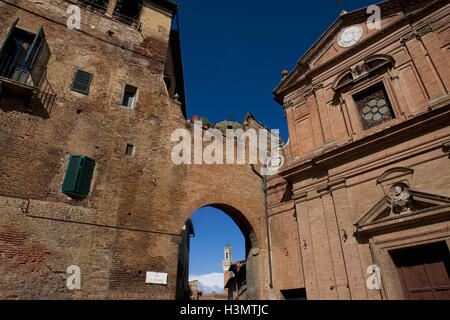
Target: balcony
pixel 25 89
pixel 125 11
pixel 94 5
pixel 128 11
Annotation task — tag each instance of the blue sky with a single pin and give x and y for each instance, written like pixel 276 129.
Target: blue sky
pixel 213 231
pixel 233 55
pixel 234 52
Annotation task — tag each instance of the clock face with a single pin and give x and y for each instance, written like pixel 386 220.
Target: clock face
pixel 350 36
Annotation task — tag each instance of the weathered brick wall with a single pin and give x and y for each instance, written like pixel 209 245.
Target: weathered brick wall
pixel 331 181
pixel 130 222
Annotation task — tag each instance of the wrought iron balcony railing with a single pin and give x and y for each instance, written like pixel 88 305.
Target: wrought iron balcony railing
pixel 125 19
pixel 13 70
pixel 96 5
pixel 34 78
pixel 129 15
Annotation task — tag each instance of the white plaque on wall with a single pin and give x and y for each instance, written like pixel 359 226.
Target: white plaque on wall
pixel 156 278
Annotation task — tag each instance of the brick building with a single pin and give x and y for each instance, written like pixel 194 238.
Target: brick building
pixel 361 208
pixel 86 177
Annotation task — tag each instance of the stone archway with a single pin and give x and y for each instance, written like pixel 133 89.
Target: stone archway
pixel 238 192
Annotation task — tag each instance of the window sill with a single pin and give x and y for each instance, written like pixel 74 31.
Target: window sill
pixel 75 196
pixel 365 133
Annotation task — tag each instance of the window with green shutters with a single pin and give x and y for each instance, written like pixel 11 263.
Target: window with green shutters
pixel 78 175
pixel 81 81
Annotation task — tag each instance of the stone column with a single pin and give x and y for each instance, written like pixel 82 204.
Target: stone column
pixel 306 247
pixel 354 269
pixel 324 115
pixel 437 57
pixel 421 58
pixel 335 236
pixel 293 140
pixel 315 117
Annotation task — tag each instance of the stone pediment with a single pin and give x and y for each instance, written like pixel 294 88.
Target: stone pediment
pixel 347 34
pixel 402 206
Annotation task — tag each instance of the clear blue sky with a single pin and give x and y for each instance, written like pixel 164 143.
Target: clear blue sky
pixel 213 229
pixel 233 55
pixel 234 52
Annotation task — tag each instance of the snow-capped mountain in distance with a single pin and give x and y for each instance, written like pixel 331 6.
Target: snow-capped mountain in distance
pixel 209 283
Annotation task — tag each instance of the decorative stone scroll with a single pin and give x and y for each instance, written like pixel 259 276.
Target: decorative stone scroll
pixel 311 90
pixel 417 33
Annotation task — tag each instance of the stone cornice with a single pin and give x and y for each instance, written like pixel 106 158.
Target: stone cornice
pixel 420 123
pixel 306 73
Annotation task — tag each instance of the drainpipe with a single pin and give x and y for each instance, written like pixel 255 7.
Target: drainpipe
pixel 269 253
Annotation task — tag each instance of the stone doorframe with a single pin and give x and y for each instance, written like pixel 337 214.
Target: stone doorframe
pixel 404 218
pixel 391 288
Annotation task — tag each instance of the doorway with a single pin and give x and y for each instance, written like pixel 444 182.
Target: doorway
pixel 424 271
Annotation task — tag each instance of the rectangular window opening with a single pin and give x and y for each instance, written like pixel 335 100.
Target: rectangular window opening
pixel 129 150
pixel 294 294
pixel 95 5
pixel 128 11
pixel 129 96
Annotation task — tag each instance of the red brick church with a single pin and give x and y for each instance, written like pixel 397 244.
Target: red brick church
pixel 361 209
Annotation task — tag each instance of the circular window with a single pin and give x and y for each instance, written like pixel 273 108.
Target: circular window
pixel 375 109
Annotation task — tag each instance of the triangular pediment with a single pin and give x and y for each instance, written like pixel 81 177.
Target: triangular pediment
pixel 348 33
pixel 402 203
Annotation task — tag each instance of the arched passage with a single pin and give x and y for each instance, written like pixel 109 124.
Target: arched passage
pixel 217 246
pixel 245 227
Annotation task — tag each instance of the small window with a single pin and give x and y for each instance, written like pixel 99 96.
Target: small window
pixel 129 150
pixel 129 96
pixel 81 81
pixel 77 180
pixel 294 294
pixel 128 11
pixel 96 5
pixel 374 106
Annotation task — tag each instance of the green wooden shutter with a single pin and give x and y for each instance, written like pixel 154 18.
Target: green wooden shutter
pixel 34 49
pixel 81 81
pixel 86 171
pixel 72 172
pixel 8 36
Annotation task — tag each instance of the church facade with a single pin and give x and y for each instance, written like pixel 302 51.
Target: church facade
pixel 361 208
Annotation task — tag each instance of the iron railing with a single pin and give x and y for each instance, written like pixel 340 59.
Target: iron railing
pixel 125 19
pixel 34 77
pixel 46 95
pixel 11 69
pixel 101 7
pixel 96 5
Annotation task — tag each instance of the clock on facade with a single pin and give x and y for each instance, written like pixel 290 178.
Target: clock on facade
pixel 350 36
